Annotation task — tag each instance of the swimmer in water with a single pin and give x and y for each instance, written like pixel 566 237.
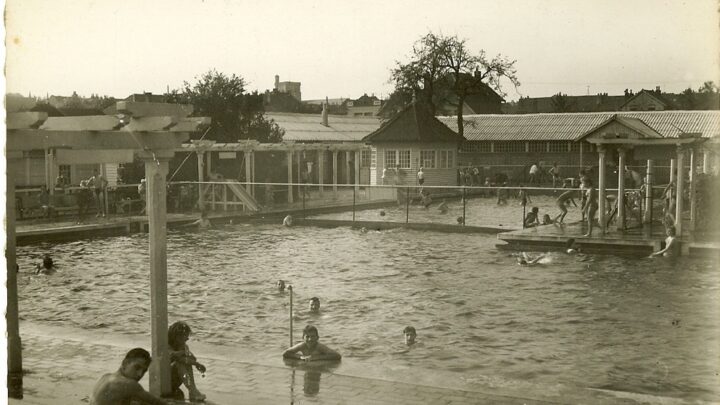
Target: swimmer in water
pixel 526 260
pixel 280 285
pixel 315 305
pixel 571 247
pixel 363 230
pixel 382 213
pixel 410 335
pixel 311 349
pixel 47 266
pixel 460 220
pixel 443 207
pixel 288 221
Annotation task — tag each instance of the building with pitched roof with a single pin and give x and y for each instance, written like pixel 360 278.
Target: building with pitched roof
pixel 414 139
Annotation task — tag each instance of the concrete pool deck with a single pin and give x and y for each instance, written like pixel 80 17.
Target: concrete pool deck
pixel 635 241
pixel 62 365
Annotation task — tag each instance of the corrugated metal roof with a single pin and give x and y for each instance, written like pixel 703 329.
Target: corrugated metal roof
pixel 571 126
pixel 309 127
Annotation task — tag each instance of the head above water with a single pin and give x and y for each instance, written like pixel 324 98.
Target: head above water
pixel 410 335
pixel 135 363
pixel 47 262
pixel 535 210
pixel 314 304
pixel 280 285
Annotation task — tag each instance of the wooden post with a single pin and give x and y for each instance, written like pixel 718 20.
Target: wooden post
pixel 672 170
pixel 357 170
pixel 581 155
pixel 693 190
pixel 706 161
pixel 48 172
pixel 248 171
pixel 648 192
pixel 156 169
pixel 321 170
pixel 298 170
pixel 601 187
pixel 15 374
pixel 201 177
pixel 335 172
pixel 104 193
pixel 252 170
pixel 621 190
pixel 348 180
pixel 290 176
pixel 679 193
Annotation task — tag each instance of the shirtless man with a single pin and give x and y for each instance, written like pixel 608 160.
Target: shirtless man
pixel 311 349
pixel 122 386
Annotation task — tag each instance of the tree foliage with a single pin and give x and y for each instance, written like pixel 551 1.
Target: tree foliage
pixel 235 114
pixel 443 71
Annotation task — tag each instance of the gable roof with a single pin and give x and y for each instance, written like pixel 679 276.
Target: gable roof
pixel 635 124
pixel 309 127
pixel 652 94
pixel 572 126
pixel 414 124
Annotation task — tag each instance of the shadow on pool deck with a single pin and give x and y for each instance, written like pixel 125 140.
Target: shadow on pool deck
pixel 62 365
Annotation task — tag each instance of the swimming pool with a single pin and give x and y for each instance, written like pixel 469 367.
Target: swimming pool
pixel 628 324
pixel 479 211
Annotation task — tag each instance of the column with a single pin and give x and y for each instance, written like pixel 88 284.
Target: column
pixel 672 170
pixel 706 161
pixel 601 186
pixel 693 190
pixel 14 364
pixel 347 167
pixel 156 169
pixel 290 177
pixel 679 192
pixel 621 190
pixel 321 170
pixel 647 219
pixel 335 172
pixel 248 171
pixel 201 178
pixel 299 172
pixel 252 170
pixel 357 171
pixel 48 172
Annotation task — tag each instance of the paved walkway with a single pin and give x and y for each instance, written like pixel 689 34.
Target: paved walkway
pixel 63 364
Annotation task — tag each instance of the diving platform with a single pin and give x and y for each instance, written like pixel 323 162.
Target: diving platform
pixel 637 241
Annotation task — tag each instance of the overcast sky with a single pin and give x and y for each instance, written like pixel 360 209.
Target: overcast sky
pixel 346 48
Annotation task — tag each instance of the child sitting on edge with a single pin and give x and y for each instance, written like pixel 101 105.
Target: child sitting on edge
pixel 531 219
pixel 671 245
pixel 182 362
pixel 547 220
pixel 123 386
pixel 311 349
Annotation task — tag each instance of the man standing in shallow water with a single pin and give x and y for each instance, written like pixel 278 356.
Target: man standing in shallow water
pixel 311 349
pixel 122 386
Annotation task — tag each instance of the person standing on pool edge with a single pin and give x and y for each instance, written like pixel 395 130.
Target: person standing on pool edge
pixel 311 349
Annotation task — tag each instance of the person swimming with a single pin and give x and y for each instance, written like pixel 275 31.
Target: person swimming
pixel 288 221
pixel 571 247
pixel 47 266
pixel 315 305
pixel 280 285
pixel 410 335
pixel 525 260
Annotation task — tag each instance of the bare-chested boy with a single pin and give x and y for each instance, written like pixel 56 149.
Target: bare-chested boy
pixel 122 386
pixel 565 198
pixel 311 349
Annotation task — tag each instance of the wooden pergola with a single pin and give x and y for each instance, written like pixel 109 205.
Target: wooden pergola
pixel 623 134
pixel 203 150
pixel 153 131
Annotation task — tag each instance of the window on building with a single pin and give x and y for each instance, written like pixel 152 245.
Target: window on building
pixel 575 146
pixel 557 146
pixel 404 159
pixel 475 146
pixel 509 146
pixel 373 157
pixel 536 146
pixel 391 158
pixel 427 159
pixel 365 159
pixel 65 171
pixel 445 159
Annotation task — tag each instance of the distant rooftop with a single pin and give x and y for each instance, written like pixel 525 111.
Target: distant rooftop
pixel 309 127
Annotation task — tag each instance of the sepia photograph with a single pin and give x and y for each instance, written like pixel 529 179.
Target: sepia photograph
pixel 386 202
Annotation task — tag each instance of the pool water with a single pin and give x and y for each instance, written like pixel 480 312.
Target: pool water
pixel 479 211
pixel 630 324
